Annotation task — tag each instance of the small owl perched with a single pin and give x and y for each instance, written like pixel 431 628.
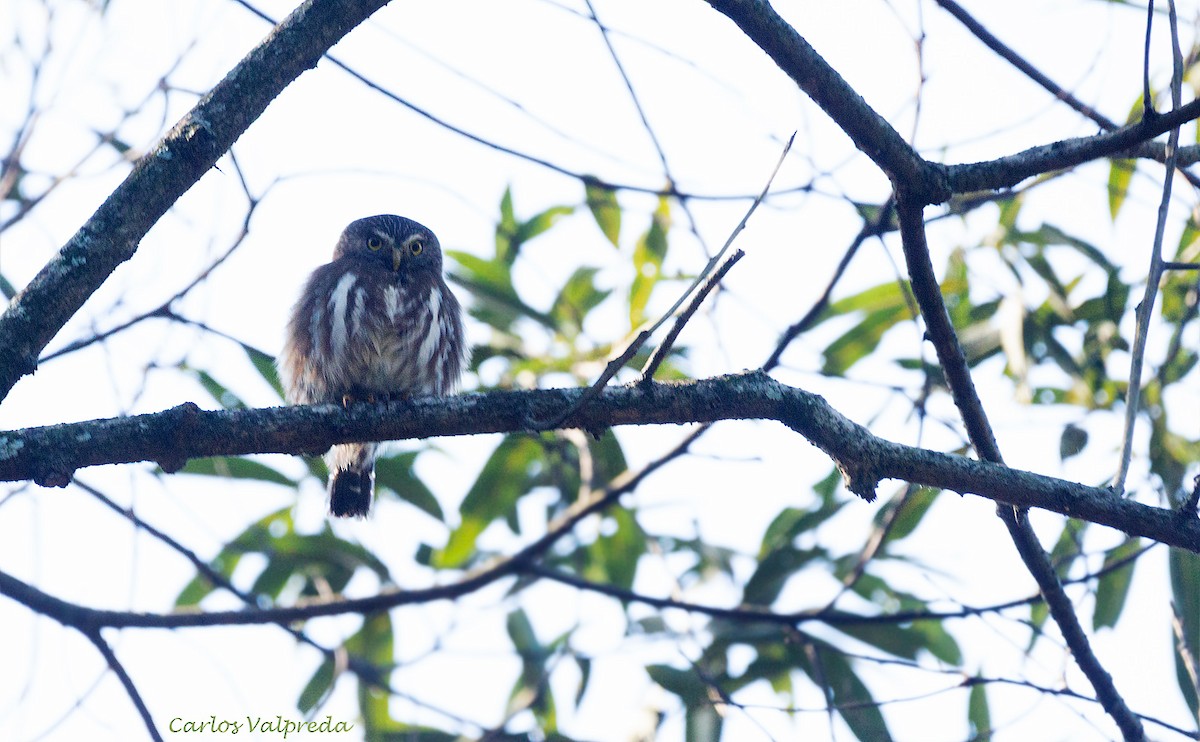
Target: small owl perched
pixel 377 322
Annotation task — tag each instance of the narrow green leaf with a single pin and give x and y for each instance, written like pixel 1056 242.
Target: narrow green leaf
pixel 775 569
pixel 851 698
pixel 275 575
pixel 375 640
pixel 612 559
pixel 317 688
pixel 648 258
pixel 264 364
pixel 859 342
pixel 578 297
pixel 883 306
pixel 602 202
pixel 507 475
pixel 1185 595
pixel 913 505
pixel 939 642
pixel 899 641
pixel 235 468
pixel 523 637
pixel 219 391
pixel 1113 587
pixel 685 684
pixel 978 715
pixel 1120 173
pixel 536 225
pixel 506 228
pixel 396 474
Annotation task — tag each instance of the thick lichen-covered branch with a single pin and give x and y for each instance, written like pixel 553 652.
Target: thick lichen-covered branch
pixel 50 455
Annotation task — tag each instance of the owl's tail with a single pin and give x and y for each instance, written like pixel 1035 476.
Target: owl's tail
pixel 351 479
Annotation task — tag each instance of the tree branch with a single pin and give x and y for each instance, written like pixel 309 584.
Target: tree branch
pixel 941 333
pixel 163 175
pixel 50 455
pixel 126 682
pixel 923 181
pixel 869 131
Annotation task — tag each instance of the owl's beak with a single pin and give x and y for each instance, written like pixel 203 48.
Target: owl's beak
pixel 397 257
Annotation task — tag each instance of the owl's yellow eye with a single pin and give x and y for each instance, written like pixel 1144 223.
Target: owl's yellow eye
pixel 416 247
pixel 374 243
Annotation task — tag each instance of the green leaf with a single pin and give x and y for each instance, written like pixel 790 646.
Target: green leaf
pixel 908 641
pixel 859 342
pixel 235 468
pixel 578 297
pixel 612 559
pixel 648 258
pixel 531 689
pixel 396 474
pixel 851 698
pixel 701 721
pixel 978 715
pixel 512 234
pixel 313 563
pixel 939 642
pixel 883 306
pixel 539 223
pixel 507 475
pixel 685 684
pixel 602 201
pixel 7 290
pixel 1120 173
pixel 219 391
pixel 912 505
pixel 1185 594
pixel 264 364
pixel 317 688
pixel 505 228
pixel 775 569
pixel 374 641
pixel 1113 587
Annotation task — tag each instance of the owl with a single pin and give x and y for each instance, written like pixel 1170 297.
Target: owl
pixel 376 323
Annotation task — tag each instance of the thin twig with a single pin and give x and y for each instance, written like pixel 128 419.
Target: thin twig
pixel 1145 309
pixel 1147 102
pixel 366 671
pixel 664 347
pixel 164 310
pixel 618 363
pixel 126 682
pixel 871 228
pixel 670 191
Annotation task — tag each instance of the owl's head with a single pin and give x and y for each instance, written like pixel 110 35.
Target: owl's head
pixel 401 245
